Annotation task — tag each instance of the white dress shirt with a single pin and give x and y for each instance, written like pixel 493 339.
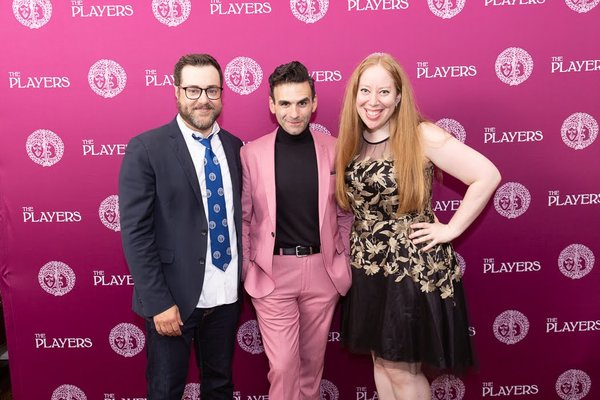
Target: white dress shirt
pixel 220 287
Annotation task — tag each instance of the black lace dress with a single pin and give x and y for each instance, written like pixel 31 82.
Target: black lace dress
pixel 404 304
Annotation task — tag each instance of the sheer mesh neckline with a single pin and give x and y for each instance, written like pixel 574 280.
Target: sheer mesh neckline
pixel 375 151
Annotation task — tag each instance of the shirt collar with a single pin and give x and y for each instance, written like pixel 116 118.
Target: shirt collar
pixel 284 137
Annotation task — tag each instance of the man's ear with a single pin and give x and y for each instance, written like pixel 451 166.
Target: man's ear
pixel 271 105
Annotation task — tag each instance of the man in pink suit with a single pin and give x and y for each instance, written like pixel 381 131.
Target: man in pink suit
pixel 295 238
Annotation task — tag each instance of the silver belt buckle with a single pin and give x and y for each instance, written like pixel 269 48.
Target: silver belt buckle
pixel 301 255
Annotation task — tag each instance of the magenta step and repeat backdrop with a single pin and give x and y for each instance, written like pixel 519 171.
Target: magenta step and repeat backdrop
pixel 518 80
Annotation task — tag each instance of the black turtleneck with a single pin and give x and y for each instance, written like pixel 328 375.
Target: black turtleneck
pixel 297 188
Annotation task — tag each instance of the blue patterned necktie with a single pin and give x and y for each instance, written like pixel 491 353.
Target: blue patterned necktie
pixel 217 213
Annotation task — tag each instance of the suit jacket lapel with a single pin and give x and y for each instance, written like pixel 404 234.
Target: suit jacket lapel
pixel 185 159
pixel 231 163
pixel 269 176
pixel 323 167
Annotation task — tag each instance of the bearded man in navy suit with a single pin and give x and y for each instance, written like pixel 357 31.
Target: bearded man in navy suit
pixel 186 285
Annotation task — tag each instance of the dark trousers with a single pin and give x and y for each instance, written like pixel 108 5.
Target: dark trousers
pixel 212 331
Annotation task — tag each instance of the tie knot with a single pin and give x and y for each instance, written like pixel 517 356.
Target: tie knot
pixel 204 141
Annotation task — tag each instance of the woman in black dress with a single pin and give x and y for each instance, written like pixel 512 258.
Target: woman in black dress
pixel 406 306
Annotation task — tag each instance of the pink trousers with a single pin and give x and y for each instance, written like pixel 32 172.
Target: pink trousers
pixel 294 322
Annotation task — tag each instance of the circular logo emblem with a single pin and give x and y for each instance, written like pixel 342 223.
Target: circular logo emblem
pixel 461 263
pixel 512 200
pixel 447 387
pixel 446 8
pixel 328 390
pixel 576 261
pixel 109 213
pixel 191 392
pixel 309 11
pixel 68 392
pixel 56 278
pixel 32 13
pixel 573 384
pixel 454 127
pixel 243 75
pixel 249 337
pixel 511 326
pixel 107 78
pixel 319 128
pixel 582 6
pixel 514 66
pixel 44 147
pixel 579 130
pixel 171 12
pixel 126 339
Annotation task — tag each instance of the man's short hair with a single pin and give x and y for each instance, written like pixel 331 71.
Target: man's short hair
pixel 293 72
pixel 198 60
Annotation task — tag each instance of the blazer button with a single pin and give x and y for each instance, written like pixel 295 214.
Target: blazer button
pixel 201 262
pixel 203 233
pixel 273 234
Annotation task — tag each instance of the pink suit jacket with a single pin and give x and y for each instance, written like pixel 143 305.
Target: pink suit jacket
pixel 258 215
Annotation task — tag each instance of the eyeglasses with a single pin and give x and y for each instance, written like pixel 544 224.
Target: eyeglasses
pixel 194 92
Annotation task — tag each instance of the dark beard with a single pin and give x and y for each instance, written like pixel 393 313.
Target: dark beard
pixel 187 117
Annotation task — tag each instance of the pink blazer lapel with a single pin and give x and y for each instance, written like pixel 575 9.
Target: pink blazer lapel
pixel 268 173
pixel 324 168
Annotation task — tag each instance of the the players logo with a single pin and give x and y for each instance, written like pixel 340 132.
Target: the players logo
pixel 319 128
pixel 511 327
pixel 109 213
pixel 44 147
pixel 446 8
pixel 454 127
pixel 461 263
pixel 107 78
pixel 573 384
pixel 126 339
pixel 576 261
pixel 191 392
pixel 32 13
pixel 514 66
pixel 309 11
pixel 68 392
pixel 579 130
pixel 328 390
pixel 512 200
pixel 582 6
pixel 243 75
pixel 56 278
pixel 171 12
pixel 249 337
pixel 447 387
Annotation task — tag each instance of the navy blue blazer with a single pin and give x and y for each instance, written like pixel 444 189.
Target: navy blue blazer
pixel 163 223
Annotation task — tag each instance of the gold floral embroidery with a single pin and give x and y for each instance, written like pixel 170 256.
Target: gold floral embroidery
pixel 379 239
